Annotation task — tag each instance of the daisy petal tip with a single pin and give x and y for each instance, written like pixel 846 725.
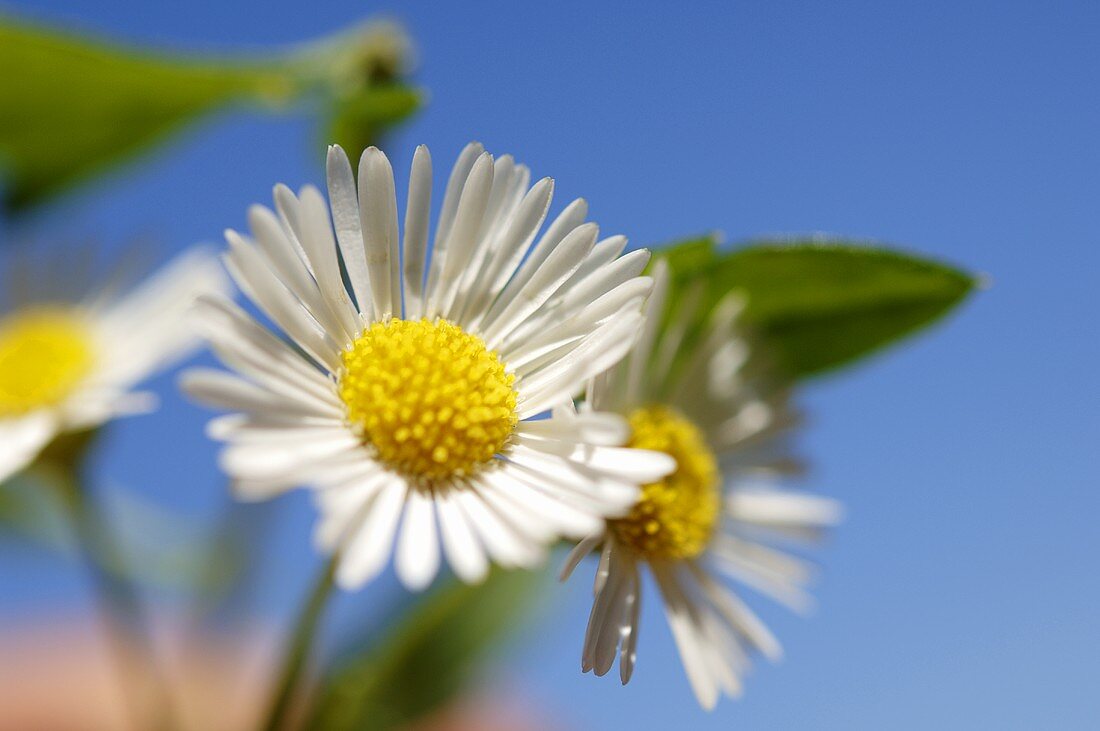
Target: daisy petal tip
pixel 416 582
pixel 347 579
pixel 473 576
pixel 336 162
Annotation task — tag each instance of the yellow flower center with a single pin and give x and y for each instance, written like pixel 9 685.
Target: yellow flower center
pixel 44 354
pixel 430 398
pixel 675 517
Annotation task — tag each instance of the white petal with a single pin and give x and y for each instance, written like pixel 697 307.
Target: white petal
pixel 560 381
pixel 513 244
pixel 549 339
pixel 320 248
pixel 579 553
pixel 595 428
pixel 497 212
pixel 21 439
pixel 561 513
pixel 603 280
pixel 378 214
pixel 738 615
pixel 783 508
pixel 460 245
pixel 368 548
pixel 636 465
pixel 642 356
pixel 148 329
pixel 464 553
pixel 508 313
pixel 503 542
pixel 766 570
pixel 343 506
pixel 345 215
pixel 417 215
pixel 628 653
pixel 283 259
pixel 566 222
pixel 271 295
pixel 269 459
pixel 242 344
pixel 225 391
pixel 602 636
pixel 451 196
pixel 573 481
pixel 417 558
pixel 687 632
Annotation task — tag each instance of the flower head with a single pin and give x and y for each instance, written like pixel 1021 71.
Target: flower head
pixel 71 353
pixel 721 416
pixel 409 392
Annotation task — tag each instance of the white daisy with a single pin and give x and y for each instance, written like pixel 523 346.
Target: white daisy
pixel 719 416
pixel 71 355
pixel 408 397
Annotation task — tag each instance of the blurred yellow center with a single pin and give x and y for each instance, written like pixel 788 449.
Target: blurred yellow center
pixel 44 354
pixel 675 518
pixel 431 399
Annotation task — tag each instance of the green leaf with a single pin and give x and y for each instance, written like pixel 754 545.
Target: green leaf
pixel 820 305
pixel 425 656
pixel 361 118
pixel 71 107
pixel 75 105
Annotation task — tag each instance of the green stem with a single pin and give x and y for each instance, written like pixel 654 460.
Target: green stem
pixel 120 605
pixel 300 648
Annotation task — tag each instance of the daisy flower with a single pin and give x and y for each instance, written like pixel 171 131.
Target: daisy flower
pixel 721 419
pixel 409 386
pixel 71 355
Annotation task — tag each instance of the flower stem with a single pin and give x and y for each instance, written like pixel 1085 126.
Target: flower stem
pixel 300 647
pixel 119 603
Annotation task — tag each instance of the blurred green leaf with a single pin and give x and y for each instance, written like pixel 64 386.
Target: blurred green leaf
pixel 820 305
pixel 425 656
pixel 360 119
pixel 165 549
pixel 30 510
pixel 71 106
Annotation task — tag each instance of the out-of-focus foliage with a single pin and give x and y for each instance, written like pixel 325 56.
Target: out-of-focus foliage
pixel 30 510
pixel 164 550
pixel 71 106
pixel 360 119
pixel 426 655
pixel 818 305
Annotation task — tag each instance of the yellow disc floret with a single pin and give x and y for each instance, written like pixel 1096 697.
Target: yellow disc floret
pixel 44 354
pixel 675 517
pixel 429 397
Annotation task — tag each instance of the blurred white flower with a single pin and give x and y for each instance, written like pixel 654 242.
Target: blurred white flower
pixel 70 359
pixel 720 416
pixel 409 394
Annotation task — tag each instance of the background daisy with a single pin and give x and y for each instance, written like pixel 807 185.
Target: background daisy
pixel 410 396
pixel 72 351
pixel 720 414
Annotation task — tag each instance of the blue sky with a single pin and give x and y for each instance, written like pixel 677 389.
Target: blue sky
pixel 960 592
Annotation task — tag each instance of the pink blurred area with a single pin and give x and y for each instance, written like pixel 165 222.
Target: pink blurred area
pixel 60 674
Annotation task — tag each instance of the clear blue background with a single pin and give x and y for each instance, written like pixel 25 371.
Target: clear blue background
pixel 962 591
